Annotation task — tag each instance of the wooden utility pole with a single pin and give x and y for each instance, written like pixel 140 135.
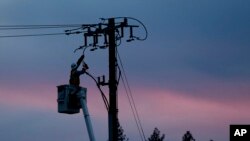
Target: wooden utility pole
pixel 113 111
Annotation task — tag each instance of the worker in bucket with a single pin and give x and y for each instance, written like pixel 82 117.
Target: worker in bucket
pixel 75 81
pixel 75 74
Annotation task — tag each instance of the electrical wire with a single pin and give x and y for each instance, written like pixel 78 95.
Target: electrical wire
pixel 102 93
pixel 35 27
pixel 125 87
pixel 40 25
pixel 141 23
pixel 146 31
pixel 128 90
pixel 131 106
pixel 31 35
pixel 131 101
pixel 21 27
pixel 81 47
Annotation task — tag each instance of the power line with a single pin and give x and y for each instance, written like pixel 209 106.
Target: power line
pixel 35 27
pixel 126 90
pixel 129 94
pixel 22 28
pixel 95 31
pixel 105 100
pixel 131 106
pixel 31 35
pixel 28 27
pixel 140 22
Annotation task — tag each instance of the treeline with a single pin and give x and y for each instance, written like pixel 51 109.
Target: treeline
pixel 156 136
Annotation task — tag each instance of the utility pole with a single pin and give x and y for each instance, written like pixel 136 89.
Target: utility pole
pixel 113 111
pixel 111 31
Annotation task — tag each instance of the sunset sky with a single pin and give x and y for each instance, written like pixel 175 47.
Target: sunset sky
pixel 192 73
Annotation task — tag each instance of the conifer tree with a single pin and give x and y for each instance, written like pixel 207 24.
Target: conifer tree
pixel 121 135
pixel 156 136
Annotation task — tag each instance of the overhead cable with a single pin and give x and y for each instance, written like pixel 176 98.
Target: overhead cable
pixel 31 35
pixel 105 100
pixel 15 27
pixel 129 95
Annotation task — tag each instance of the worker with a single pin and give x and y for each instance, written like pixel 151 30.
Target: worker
pixel 188 137
pixel 75 74
pixel 74 81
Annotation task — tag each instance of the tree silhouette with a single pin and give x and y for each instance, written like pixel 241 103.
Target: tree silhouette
pixel 156 136
pixel 188 137
pixel 121 135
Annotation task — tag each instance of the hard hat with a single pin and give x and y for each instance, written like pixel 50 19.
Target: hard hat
pixel 73 66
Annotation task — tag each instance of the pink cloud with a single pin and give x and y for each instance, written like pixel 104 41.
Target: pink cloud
pixel 173 111
pixel 178 112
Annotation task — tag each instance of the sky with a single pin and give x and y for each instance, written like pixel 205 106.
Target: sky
pixel 192 73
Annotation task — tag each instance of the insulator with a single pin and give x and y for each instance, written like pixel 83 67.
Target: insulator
pixel 89 30
pixel 122 32
pixel 125 22
pixel 85 39
pixel 105 39
pixel 95 40
pixel 93 49
pixel 131 32
pixel 100 27
pixel 98 79
pixel 131 39
pixel 103 79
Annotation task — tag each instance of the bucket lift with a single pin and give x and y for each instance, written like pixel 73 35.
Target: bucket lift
pixel 70 100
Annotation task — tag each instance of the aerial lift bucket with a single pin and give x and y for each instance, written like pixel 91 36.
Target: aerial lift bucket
pixel 70 99
pixel 67 99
